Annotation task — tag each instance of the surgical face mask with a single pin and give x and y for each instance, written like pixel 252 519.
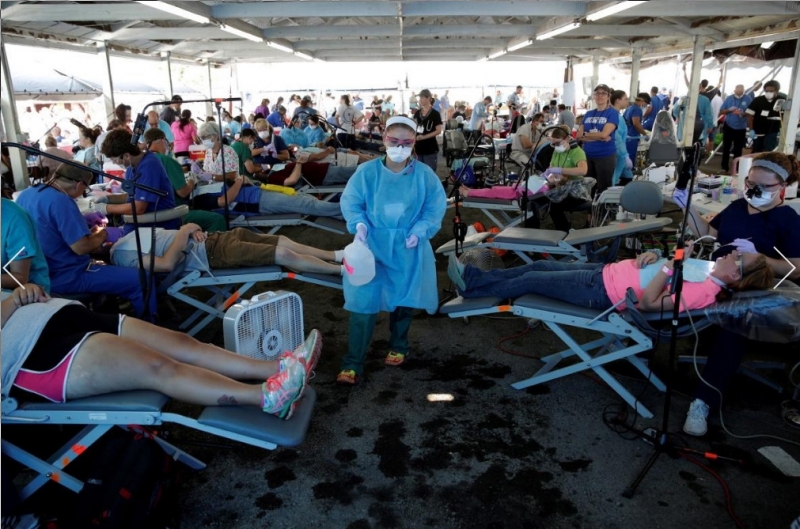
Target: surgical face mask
pixel 560 147
pixel 738 96
pixel 312 127
pixel 769 95
pixel 263 134
pixel 208 144
pixel 759 201
pixel 398 154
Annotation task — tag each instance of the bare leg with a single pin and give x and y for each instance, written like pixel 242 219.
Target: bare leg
pixel 183 348
pixel 305 263
pixel 296 247
pixel 106 363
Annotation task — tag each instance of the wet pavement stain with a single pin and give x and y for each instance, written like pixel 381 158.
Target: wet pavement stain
pixel 384 514
pixel 340 490
pixel 330 316
pixel 278 476
pixel 360 524
pixel 285 456
pixel 355 432
pixel 539 389
pixel 393 453
pixel 385 397
pixel 346 455
pixel 269 502
pixel 575 466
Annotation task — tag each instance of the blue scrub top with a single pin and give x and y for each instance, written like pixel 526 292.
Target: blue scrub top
pixel 633 111
pixel 276 120
pixel 59 224
pixel 655 104
pixel 279 144
pixel 595 121
pixel 19 233
pixel 775 228
pixel 731 119
pixel 394 206
pixel 151 172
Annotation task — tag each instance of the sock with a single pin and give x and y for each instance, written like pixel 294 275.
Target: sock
pixel 338 255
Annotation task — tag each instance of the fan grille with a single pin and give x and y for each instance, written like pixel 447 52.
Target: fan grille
pixel 267 328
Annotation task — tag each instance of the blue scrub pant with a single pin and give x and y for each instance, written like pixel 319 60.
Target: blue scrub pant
pixel 360 331
pixel 632 144
pixel 105 279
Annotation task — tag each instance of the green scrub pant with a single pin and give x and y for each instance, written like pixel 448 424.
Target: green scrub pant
pixel 208 220
pixel 361 329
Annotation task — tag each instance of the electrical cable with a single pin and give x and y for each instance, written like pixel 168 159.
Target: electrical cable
pixel 722 482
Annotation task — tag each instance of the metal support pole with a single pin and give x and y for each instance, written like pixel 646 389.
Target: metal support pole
pixel 108 83
pixel 636 59
pixel 789 129
pixel 209 105
pixel 694 90
pixel 595 79
pixel 11 126
pixel 167 57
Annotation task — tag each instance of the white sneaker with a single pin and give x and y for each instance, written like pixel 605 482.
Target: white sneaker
pixel 696 418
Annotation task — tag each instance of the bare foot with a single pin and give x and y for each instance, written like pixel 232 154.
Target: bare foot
pixel 464 191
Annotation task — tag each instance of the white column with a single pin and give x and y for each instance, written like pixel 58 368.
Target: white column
pixel 108 83
pixel 167 58
pixel 789 130
pixel 636 58
pixel 595 80
pixel 11 126
pixel 209 106
pixel 694 90
pixel 238 108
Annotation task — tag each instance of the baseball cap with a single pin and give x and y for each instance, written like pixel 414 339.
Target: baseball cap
pixel 425 93
pixel 401 120
pixel 603 87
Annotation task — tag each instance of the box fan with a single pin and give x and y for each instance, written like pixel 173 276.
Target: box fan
pixel 265 326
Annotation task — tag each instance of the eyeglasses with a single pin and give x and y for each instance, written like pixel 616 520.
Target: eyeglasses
pixel 601 93
pixel 751 185
pixel 394 142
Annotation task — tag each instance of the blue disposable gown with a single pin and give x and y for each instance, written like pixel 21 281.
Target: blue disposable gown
pixel 394 206
pixel 620 141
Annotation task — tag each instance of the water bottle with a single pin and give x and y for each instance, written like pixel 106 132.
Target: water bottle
pixel 727 194
pixel 359 263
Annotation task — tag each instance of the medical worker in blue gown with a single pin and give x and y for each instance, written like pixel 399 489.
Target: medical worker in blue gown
pixel 394 204
pixel 623 171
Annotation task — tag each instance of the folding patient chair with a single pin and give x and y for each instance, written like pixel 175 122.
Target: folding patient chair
pixel 279 220
pixel 227 286
pixel 99 414
pixel 557 315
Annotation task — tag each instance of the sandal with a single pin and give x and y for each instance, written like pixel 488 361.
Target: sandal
pixel 790 411
pixel 347 376
pixel 394 358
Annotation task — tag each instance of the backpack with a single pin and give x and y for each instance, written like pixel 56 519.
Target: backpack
pixel 132 484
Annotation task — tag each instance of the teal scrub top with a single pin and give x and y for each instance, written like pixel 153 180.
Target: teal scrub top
pixel 19 233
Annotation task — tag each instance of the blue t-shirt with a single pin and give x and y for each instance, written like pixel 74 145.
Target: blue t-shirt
pixel 276 120
pixel 315 135
pixel 151 172
pixel 775 228
pixel 633 111
pixel 59 224
pixel 279 145
pixel 732 120
pixel 20 242
pixel 164 127
pixel 655 108
pixel 594 121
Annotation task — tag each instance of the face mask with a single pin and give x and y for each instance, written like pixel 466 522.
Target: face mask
pixel 208 144
pixel 312 127
pixel 560 148
pixel 737 96
pixel 759 202
pixel 398 154
pixel 769 95
pixel 263 134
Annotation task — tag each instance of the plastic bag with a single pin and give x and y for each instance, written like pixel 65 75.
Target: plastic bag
pixel 359 263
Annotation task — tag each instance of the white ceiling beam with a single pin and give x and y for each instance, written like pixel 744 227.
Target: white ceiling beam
pixel 710 9
pixel 331 31
pixel 389 9
pixel 182 33
pixel 470 30
pixel 98 12
pixel 637 30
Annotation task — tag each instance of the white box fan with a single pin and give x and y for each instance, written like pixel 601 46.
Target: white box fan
pixel 265 326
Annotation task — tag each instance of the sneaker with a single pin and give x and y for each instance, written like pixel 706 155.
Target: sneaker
pixel 696 418
pixel 455 271
pixel 347 376
pixel 394 358
pixel 281 391
pixel 308 352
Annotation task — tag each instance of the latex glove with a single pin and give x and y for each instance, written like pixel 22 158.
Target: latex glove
pixel 646 137
pixel 269 150
pixel 101 207
pixel 95 218
pixel 412 241
pixel 744 246
pixel 628 162
pixel 752 134
pixel 100 198
pixel 195 168
pixel 114 234
pixel 205 177
pixel 551 171
pixel 681 197
pixel 361 232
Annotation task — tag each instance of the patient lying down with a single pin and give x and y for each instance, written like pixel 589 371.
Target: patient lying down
pixel 239 247
pixel 58 350
pixel 601 286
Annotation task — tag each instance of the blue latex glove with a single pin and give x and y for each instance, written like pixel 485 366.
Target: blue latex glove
pixel 744 246
pixel 114 234
pixel 361 232
pixel 752 134
pixel 412 241
pixel 681 197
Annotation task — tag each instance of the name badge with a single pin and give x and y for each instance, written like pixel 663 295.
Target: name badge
pixel 765 113
pixel 420 129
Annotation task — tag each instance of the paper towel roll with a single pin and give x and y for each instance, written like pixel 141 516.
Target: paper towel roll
pixel 744 167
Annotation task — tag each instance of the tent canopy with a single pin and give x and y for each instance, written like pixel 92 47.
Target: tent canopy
pixel 52 85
